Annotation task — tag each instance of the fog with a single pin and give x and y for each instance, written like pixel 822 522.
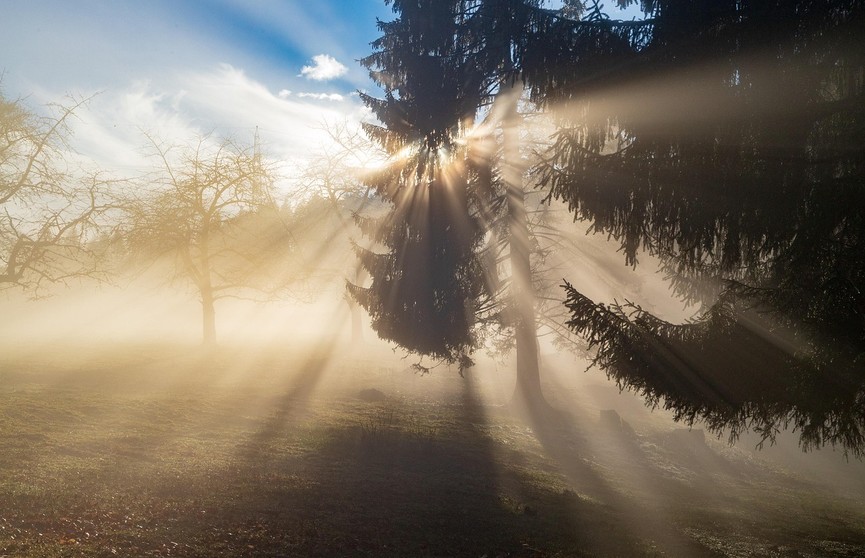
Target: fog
pixel 144 319
pixel 114 384
pixel 408 337
pixel 286 406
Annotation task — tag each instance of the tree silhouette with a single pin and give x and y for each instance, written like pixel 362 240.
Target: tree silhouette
pixel 453 79
pixel 726 138
pixel 427 282
pixel 444 66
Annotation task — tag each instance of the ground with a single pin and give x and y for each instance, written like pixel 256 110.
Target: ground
pixel 176 451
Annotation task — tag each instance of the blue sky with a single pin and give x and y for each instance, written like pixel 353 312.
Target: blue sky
pixel 180 68
pixel 98 43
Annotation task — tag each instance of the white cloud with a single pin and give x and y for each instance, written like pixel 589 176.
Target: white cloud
pixel 223 101
pixel 109 130
pixel 324 67
pixel 322 96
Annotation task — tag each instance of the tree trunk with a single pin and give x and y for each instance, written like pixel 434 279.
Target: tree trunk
pixel 208 312
pixel 527 393
pixel 205 286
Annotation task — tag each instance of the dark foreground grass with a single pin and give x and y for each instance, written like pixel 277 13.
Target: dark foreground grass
pixel 154 452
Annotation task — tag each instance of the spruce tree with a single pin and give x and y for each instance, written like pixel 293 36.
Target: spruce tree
pixel 725 137
pixel 426 280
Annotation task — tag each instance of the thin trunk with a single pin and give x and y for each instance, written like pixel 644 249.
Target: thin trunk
pixel 206 287
pixel 208 311
pixel 528 387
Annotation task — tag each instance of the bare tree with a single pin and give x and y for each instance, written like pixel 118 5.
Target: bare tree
pixel 336 171
pixel 50 211
pixel 335 174
pixel 199 210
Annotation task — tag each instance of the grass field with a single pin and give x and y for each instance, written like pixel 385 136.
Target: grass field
pixel 172 451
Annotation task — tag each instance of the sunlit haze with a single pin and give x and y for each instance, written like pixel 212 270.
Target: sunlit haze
pixel 469 278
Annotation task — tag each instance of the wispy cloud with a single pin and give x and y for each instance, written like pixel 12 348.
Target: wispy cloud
pixel 322 96
pixel 161 72
pixel 324 67
pixel 224 101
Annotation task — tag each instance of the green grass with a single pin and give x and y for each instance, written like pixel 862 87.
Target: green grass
pixel 155 451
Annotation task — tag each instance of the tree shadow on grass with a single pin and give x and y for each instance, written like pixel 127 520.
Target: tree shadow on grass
pixel 294 402
pixel 415 479
pixel 608 466
pixel 649 522
pixel 314 477
pixel 678 494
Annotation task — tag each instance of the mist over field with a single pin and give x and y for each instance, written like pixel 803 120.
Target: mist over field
pixel 433 278
pixel 122 433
